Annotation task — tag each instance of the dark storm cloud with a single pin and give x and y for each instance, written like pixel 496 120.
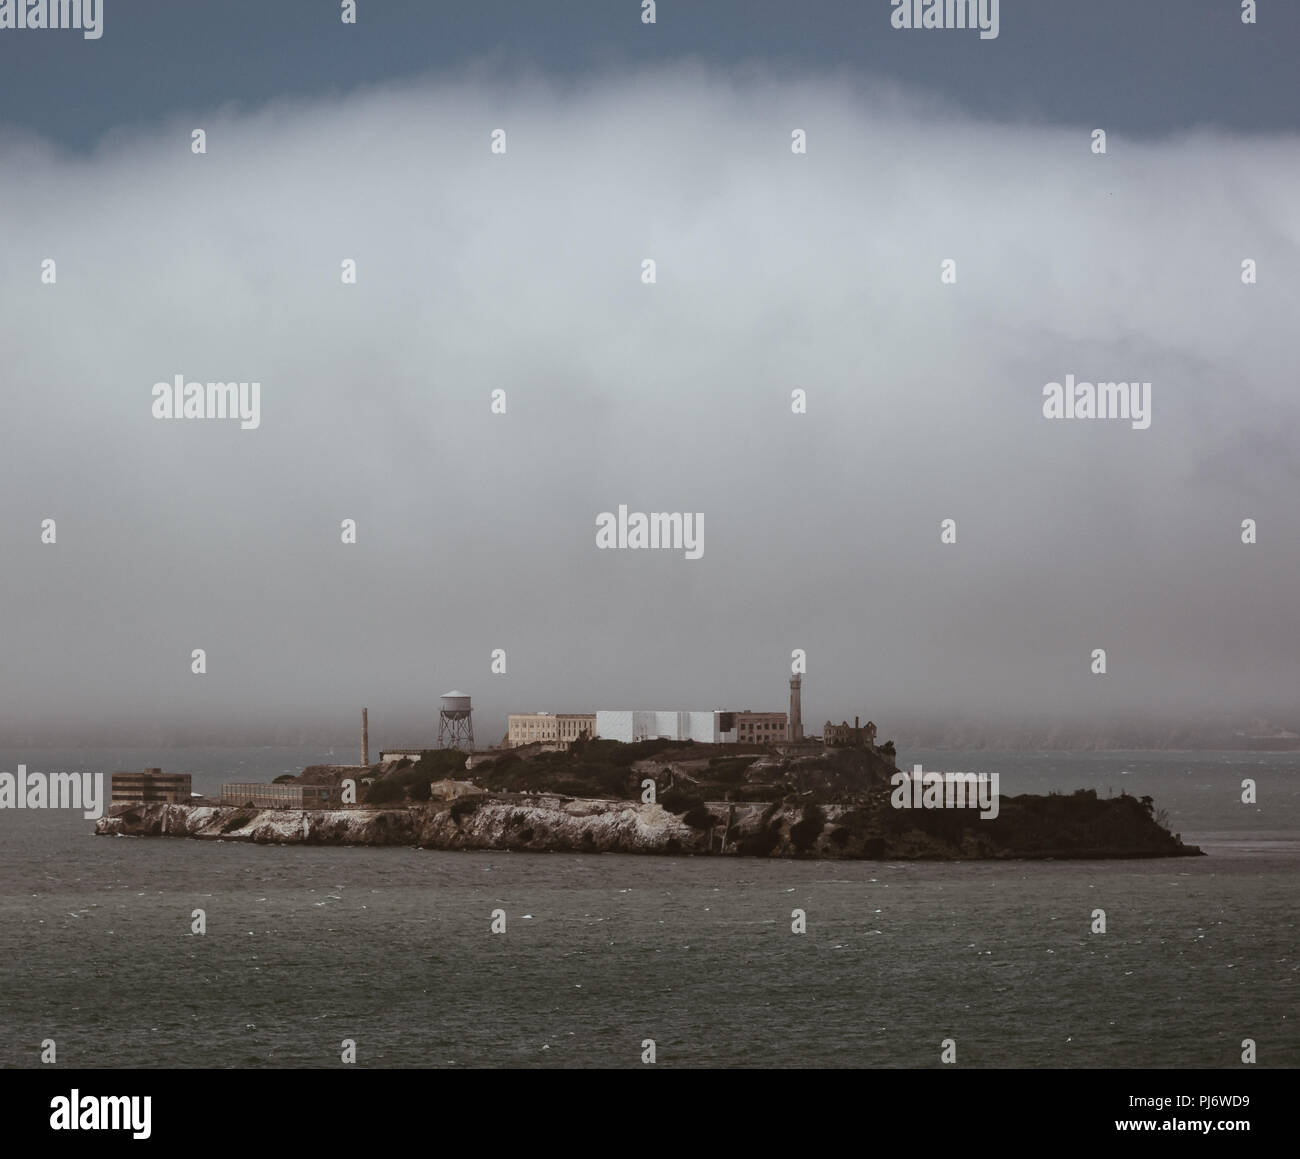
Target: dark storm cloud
pixel 522 273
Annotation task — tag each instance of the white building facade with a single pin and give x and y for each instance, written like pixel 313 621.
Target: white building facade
pixel 629 725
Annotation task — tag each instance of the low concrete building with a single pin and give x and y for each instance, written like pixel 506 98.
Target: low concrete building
pixel 150 786
pixel 288 796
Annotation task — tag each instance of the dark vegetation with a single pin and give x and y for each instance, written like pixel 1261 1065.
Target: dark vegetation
pixel 760 843
pixel 679 801
pixel 594 768
pixel 464 806
pixel 1078 824
pixel 698 817
pixel 854 779
pixel 604 769
pixel 729 770
pixel 410 780
pixel 804 833
pixel 239 819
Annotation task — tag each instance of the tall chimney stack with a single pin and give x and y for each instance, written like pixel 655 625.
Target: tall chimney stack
pixel 796 714
pixel 365 738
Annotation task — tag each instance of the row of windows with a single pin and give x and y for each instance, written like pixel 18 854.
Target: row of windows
pixel 284 793
pixel 551 728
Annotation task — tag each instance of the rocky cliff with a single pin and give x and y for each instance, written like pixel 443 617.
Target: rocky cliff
pixel 1076 826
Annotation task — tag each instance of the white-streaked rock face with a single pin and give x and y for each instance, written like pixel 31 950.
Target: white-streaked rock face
pixel 1031 827
pixel 559 823
pixel 541 824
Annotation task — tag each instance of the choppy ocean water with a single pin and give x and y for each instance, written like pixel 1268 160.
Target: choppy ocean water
pixel 392 947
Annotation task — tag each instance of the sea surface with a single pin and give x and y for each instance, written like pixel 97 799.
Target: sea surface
pixel 393 948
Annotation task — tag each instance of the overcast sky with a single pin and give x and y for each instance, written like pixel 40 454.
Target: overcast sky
pixel 522 272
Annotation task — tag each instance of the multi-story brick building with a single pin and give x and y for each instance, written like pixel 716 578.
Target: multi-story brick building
pixel 849 735
pixel 760 727
pixel 549 728
pixel 149 786
pixel 572 726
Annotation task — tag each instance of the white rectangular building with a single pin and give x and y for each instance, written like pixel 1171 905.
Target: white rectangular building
pixel 629 725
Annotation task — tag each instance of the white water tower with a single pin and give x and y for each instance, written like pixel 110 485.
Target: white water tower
pixel 455 721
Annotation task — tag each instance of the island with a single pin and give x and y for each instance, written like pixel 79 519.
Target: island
pixel 658 797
